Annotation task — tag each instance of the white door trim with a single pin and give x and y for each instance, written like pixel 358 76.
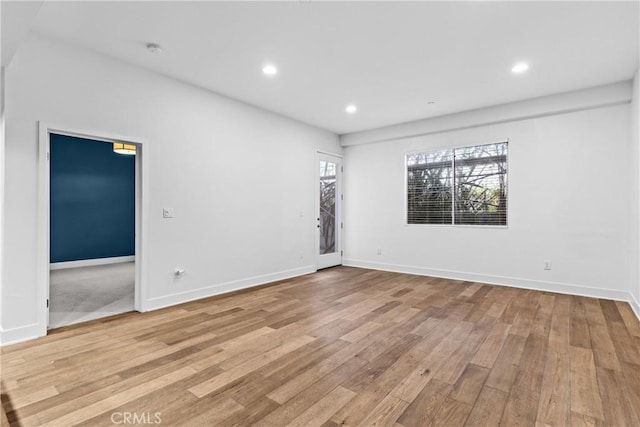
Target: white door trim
pixel 339 207
pixel 141 206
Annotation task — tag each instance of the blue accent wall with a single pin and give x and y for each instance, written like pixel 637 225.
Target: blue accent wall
pixel 92 200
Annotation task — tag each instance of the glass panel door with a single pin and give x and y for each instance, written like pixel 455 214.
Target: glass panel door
pixel 327 207
pixel 328 212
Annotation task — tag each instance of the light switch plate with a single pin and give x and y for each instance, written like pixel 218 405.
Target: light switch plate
pixel 167 212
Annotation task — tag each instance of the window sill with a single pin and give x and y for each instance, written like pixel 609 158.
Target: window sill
pixel 499 227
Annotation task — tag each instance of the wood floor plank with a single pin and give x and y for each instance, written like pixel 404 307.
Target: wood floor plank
pixel 361 332
pixel 115 400
pixel 293 387
pixel 451 370
pixel 490 348
pixel 559 340
pixel 21 399
pixel 496 309
pixel 299 403
pixel 252 364
pixel 90 392
pixel 269 377
pixel 629 318
pixel 610 311
pixel 423 408
pixel 554 408
pixel 488 408
pixel 167 402
pixel 251 415
pixel 424 371
pixel 383 363
pixel 376 389
pixel 531 367
pixel 523 321
pixel 505 368
pixel 631 374
pixel 618 407
pixel 585 396
pixel 627 349
pixel 451 413
pixel 321 411
pixel 344 346
pixel 521 407
pixel 385 413
pixel 593 312
pixel 215 414
pixel 604 351
pixel 581 420
pixel 4 421
pixel 468 386
pixel 579 328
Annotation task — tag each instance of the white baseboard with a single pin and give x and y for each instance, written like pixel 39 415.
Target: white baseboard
pixel 91 262
pixel 20 334
pixel 561 288
pixel 209 291
pixel 635 305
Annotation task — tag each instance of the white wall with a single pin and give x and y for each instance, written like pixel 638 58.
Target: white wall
pixel 2 168
pixel 237 176
pixel 569 186
pixel 635 191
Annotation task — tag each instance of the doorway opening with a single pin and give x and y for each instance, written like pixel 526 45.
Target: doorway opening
pixel 90 233
pixel 92 229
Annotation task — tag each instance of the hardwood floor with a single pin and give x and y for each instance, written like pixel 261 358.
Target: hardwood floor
pixel 344 346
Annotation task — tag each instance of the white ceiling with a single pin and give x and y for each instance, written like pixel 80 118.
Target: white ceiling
pixel 15 20
pixel 388 58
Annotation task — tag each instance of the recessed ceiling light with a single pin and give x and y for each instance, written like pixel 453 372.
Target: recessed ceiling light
pixel 520 67
pixel 351 109
pixel 154 48
pixel 270 70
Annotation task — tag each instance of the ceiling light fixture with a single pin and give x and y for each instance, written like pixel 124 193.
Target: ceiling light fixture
pixel 351 109
pixel 270 70
pixel 122 148
pixel 154 48
pixel 520 67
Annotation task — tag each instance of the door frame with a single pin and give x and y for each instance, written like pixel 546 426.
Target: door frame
pixel 44 218
pixel 339 207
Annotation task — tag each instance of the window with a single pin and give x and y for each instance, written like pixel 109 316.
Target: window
pixel 462 186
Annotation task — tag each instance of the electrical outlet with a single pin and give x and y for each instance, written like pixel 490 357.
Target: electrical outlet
pixel 379 251
pixel 547 265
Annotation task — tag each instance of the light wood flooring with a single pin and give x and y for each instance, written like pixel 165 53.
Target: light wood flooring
pixel 344 346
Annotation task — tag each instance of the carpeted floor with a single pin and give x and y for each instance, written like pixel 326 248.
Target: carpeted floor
pixel 87 293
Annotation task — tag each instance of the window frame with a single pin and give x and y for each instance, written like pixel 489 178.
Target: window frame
pixel 453 148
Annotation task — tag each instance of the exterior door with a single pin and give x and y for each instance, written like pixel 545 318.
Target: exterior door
pixel 329 207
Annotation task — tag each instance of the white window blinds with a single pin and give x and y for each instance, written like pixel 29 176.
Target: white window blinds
pixel 465 186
